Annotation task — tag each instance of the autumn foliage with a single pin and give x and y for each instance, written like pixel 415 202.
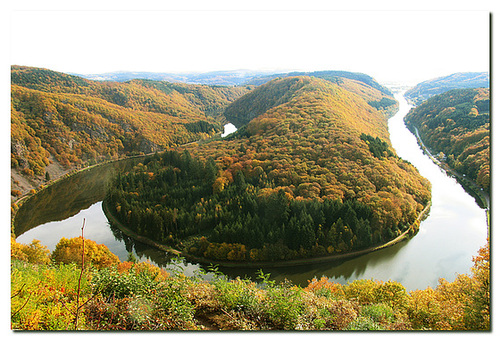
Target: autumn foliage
pixel 140 296
pixel 312 174
pixel 80 122
pixel 457 124
pixel 70 251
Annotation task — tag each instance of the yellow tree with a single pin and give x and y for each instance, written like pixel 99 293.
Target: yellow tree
pixel 70 251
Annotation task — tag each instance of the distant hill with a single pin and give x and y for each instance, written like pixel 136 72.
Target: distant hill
pixel 332 76
pixel 274 93
pixel 462 80
pixel 227 78
pixel 68 121
pixel 359 83
pixel 235 77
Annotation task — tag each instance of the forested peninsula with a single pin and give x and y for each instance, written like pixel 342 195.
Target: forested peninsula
pixel 310 172
pixel 456 127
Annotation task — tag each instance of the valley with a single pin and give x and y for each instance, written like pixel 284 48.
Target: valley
pixel 323 176
pixel 202 147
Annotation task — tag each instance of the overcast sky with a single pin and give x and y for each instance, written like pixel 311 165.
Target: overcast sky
pixel 391 46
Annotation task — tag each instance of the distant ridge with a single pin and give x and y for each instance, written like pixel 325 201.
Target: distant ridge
pixel 332 76
pixel 460 80
pixel 234 77
pixel 227 78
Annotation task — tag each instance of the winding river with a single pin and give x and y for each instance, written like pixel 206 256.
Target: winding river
pixel 448 239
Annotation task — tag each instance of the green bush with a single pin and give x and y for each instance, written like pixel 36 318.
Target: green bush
pixel 363 323
pixel 380 313
pixel 140 300
pixel 283 305
pixel 44 296
pixel 237 294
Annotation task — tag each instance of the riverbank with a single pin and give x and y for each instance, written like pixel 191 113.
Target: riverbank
pixel 18 205
pixel 264 264
pixel 70 173
pixel 112 219
pixel 468 185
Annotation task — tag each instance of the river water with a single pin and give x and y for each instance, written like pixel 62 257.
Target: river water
pixel 448 239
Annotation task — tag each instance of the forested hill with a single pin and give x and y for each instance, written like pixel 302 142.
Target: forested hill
pixel 59 121
pixel 236 77
pixel 332 76
pixel 279 91
pixel 312 173
pixel 456 124
pixel 462 80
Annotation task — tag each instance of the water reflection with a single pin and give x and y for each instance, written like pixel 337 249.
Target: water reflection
pixel 340 271
pixel 69 196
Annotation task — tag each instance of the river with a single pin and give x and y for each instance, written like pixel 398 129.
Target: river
pixel 448 239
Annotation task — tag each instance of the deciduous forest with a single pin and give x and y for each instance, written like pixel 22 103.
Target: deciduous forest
pixel 74 122
pixel 302 177
pixel 456 125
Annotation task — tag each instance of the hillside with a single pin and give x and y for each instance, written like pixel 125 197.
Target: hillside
pixel 60 122
pixel 427 89
pixel 274 93
pixel 332 76
pixel 310 172
pixel 235 77
pixel 456 125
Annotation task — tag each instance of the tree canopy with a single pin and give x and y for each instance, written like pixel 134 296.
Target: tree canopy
pixel 457 124
pixel 77 121
pixel 312 174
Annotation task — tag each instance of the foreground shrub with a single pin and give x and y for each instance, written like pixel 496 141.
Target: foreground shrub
pixel 370 292
pixel 70 251
pixel 238 294
pixel 35 252
pixel 364 323
pixel 44 296
pixel 143 297
pixel 140 296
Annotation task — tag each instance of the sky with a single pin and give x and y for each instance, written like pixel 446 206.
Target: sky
pixel 391 46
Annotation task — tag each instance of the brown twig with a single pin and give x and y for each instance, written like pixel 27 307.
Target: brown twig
pixel 80 278
pixel 225 312
pixel 18 310
pixel 18 292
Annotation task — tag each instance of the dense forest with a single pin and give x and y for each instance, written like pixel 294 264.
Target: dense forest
pixel 462 80
pixel 310 172
pixel 53 291
pixel 456 125
pixel 276 92
pixel 71 121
